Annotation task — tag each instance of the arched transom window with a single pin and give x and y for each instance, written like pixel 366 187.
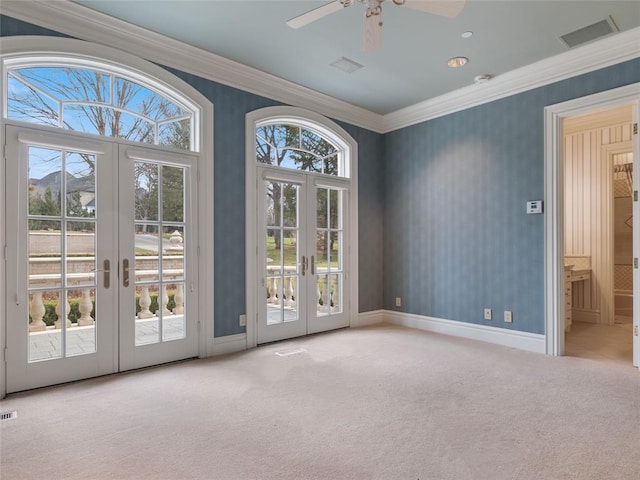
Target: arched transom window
pixel 299 147
pixel 99 99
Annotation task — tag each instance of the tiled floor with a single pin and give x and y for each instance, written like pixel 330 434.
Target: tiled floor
pixel 603 342
pixel 81 340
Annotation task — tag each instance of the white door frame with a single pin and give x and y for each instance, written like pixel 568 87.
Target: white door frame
pixel 554 221
pixel 16 46
pixel 350 147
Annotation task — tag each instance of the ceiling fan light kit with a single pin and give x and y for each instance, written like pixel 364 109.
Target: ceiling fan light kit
pixel 373 15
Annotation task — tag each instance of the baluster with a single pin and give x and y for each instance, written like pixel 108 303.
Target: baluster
pixel 37 311
pixel 326 297
pixel 58 322
pixel 179 300
pixel 335 295
pixel 272 290
pixel 145 303
pixel 318 293
pixel 165 301
pixel 85 308
pixel 288 292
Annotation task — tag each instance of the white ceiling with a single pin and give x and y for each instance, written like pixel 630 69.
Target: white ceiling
pixel 410 68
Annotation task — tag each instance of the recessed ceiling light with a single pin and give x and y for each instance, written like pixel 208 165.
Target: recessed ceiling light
pixel 346 65
pixel 467 34
pixel 456 62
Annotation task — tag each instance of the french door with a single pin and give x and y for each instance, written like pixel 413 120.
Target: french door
pixel 302 261
pixel 100 243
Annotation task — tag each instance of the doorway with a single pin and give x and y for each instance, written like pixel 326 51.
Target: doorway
pixel 580 266
pixel 302 256
pixel 101 240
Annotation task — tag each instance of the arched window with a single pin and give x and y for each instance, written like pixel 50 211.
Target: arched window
pixel 97 98
pixel 298 147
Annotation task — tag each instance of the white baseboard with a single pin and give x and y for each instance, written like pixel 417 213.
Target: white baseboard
pixel 368 318
pixel 229 344
pixel 530 342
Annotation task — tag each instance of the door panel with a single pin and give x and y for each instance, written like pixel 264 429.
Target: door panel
pixel 158 305
pixel 59 327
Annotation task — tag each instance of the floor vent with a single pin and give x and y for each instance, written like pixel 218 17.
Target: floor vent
pixel 289 352
pixel 8 415
pixel 589 33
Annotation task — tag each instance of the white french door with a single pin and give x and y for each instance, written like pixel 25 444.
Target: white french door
pixel 100 261
pixel 301 257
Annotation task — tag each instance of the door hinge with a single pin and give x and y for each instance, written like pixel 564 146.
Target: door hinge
pixel 635 330
pixel 4 151
pixel 635 195
pixel 4 354
pixel 635 262
pixel 635 128
pixel 198 251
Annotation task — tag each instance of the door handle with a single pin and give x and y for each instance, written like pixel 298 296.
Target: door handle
pixel 106 273
pixel 304 265
pixel 313 264
pixel 125 272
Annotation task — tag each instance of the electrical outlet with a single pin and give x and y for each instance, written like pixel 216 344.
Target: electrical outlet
pixel 487 314
pixel 243 320
pixel 508 316
pixel 398 302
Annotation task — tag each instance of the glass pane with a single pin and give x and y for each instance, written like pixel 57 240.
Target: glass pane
pixel 147 242
pixel 290 250
pixel 81 185
pixel 130 127
pixel 322 205
pixel 175 134
pixel 136 98
pixel 81 251
pixel 322 253
pixel 146 191
pixel 330 165
pixel 274 251
pixel 272 212
pixel 335 252
pixel 45 341
pixel 147 322
pixel 312 142
pixel 174 326
pixel 89 119
pixel 290 205
pixel 274 297
pixel 81 339
pixel 45 181
pixel 265 152
pixel 173 253
pixel 45 247
pixel 335 197
pixel 290 295
pixel 26 104
pixel 173 194
pixel 69 83
pixel 336 293
pixel 322 295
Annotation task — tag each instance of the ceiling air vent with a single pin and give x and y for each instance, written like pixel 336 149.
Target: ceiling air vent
pixel 589 33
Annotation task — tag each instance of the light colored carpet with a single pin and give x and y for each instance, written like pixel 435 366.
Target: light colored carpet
pixel 382 402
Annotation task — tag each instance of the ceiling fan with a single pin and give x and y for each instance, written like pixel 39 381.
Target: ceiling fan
pixel 373 15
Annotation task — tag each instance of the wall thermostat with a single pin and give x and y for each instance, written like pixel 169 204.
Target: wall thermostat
pixel 534 206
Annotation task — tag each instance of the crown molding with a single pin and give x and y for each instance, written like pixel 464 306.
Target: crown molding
pixel 604 53
pixel 86 24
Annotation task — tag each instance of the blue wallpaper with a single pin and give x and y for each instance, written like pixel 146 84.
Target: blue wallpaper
pixel 456 234
pixel 230 108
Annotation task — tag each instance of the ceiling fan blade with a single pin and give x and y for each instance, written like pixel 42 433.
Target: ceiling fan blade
pixel 315 14
pixel 445 8
pixel 372 33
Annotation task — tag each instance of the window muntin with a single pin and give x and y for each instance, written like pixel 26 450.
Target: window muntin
pixel 297 147
pixel 99 102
